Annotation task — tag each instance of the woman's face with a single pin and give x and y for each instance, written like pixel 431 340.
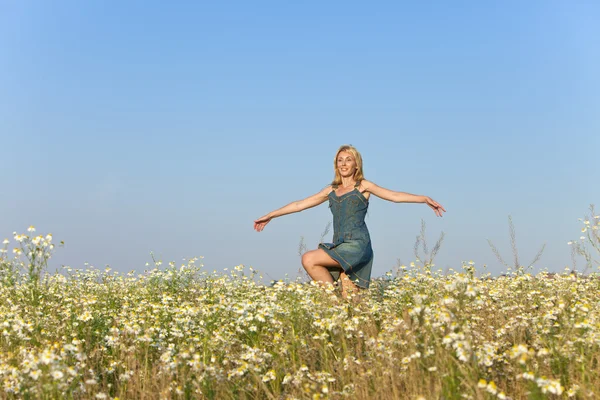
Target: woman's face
pixel 346 164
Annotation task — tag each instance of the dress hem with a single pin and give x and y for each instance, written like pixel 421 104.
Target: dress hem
pixel 347 270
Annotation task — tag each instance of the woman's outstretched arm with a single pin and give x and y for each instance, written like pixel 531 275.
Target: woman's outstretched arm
pixel 402 197
pixel 293 207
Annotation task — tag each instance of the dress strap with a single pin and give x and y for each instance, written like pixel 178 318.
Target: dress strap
pixel 357 184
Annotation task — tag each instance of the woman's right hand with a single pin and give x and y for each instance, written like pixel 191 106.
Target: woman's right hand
pixel 260 223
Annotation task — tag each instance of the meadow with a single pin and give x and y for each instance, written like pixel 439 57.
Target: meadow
pixel 179 331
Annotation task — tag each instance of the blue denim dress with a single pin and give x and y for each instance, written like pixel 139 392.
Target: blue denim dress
pixel 351 245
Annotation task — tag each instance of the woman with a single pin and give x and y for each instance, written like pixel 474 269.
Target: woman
pixel 350 256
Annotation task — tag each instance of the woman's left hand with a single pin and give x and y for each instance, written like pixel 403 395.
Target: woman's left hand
pixel 437 207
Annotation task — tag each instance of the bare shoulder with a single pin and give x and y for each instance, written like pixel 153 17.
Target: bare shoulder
pixel 365 185
pixel 326 190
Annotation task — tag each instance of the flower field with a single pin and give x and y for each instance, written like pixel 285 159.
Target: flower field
pixel 181 332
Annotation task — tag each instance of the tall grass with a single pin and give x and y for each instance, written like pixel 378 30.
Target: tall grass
pixel 183 332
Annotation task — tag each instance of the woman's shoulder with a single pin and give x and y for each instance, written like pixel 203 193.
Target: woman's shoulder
pixel 328 189
pixel 365 184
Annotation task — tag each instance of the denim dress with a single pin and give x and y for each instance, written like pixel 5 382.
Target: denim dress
pixel 351 245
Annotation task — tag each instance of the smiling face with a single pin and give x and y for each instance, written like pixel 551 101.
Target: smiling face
pixel 346 164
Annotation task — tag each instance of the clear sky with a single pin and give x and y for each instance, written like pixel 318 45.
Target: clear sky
pixel 135 126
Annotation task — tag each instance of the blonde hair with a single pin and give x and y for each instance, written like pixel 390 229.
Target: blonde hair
pixel 358 174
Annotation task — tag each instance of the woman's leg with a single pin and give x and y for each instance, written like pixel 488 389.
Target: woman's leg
pixel 315 263
pixel 348 287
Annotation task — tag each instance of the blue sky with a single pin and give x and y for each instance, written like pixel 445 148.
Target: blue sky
pixel 139 126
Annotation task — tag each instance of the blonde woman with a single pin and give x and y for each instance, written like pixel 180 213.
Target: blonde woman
pixel 350 257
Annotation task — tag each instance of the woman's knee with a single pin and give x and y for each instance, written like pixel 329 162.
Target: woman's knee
pixel 308 259
pixel 318 257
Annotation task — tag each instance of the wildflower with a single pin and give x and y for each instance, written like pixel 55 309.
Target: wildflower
pixel 471 292
pixel 31 228
pixel 543 352
pixel 414 311
pixel 450 286
pixel 35 374
pixel 491 388
pixel 518 350
pixel 482 383
pixel 46 357
pixel 6 241
pixel 549 385
pixel 56 374
pixel 572 391
pixel 528 376
pixel 269 376
pixel 86 316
